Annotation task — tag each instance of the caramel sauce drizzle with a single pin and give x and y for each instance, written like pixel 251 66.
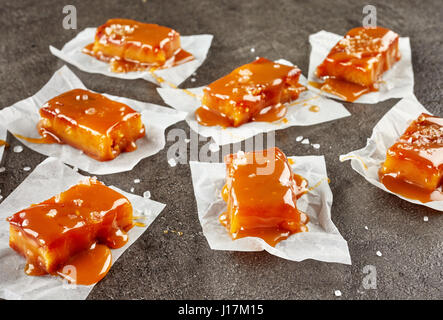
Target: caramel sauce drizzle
pixel 4 143
pixel 347 91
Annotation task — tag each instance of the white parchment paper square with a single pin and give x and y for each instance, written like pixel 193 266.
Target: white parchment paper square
pixel 23 116
pixel 297 115
pixel 322 242
pixel 72 53
pixel 368 160
pixel 48 179
pixel 398 82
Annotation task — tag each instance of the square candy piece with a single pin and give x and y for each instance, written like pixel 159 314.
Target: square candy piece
pixel 248 91
pixel 47 234
pixel 362 56
pixel 414 164
pixel 89 121
pixel 133 41
pixel 261 192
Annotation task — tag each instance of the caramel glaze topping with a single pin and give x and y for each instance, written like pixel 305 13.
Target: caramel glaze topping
pixel 253 92
pixel 261 192
pixel 356 63
pixel 100 127
pixel 3 143
pixel 70 234
pixel 129 45
pixel 414 164
pixel 92 111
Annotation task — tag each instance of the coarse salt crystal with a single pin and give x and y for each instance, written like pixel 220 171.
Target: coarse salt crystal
pixel 132 189
pixel 136 180
pixel 305 141
pixel 26 168
pixel 337 293
pixel 425 219
pixel 147 194
pixel 316 146
pixel 18 149
pixel 378 253
pixel 299 138
pixel 172 162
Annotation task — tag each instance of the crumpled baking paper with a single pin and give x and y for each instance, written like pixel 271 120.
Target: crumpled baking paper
pixel 298 114
pixel 23 116
pixel 398 82
pixel 368 160
pixel 72 53
pixel 2 137
pixel 48 179
pixel 322 242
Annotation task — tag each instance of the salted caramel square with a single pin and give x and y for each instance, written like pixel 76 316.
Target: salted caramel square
pixel 251 89
pixel 100 127
pixel 415 161
pixel 261 192
pixel 133 41
pixel 49 233
pixel 362 56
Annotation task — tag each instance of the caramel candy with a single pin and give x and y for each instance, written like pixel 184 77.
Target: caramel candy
pixel 50 233
pixel 89 121
pixel 362 56
pixel 261 192
pixel 414 164
pixel 131 45
pixel 355 65
pixel 250 92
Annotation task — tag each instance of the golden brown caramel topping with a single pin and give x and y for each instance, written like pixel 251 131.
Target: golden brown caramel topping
pixel 60 231
pixel 414 164
pixel 89 121
pixel 363 42
pixel 129 45
pixel 252 92
pixel 354 66
pixel 87 109
pixel 261 192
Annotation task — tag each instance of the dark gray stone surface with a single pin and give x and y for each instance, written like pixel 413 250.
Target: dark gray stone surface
pixel 167 266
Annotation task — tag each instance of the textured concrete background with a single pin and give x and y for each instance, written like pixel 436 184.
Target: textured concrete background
pixel 167 266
